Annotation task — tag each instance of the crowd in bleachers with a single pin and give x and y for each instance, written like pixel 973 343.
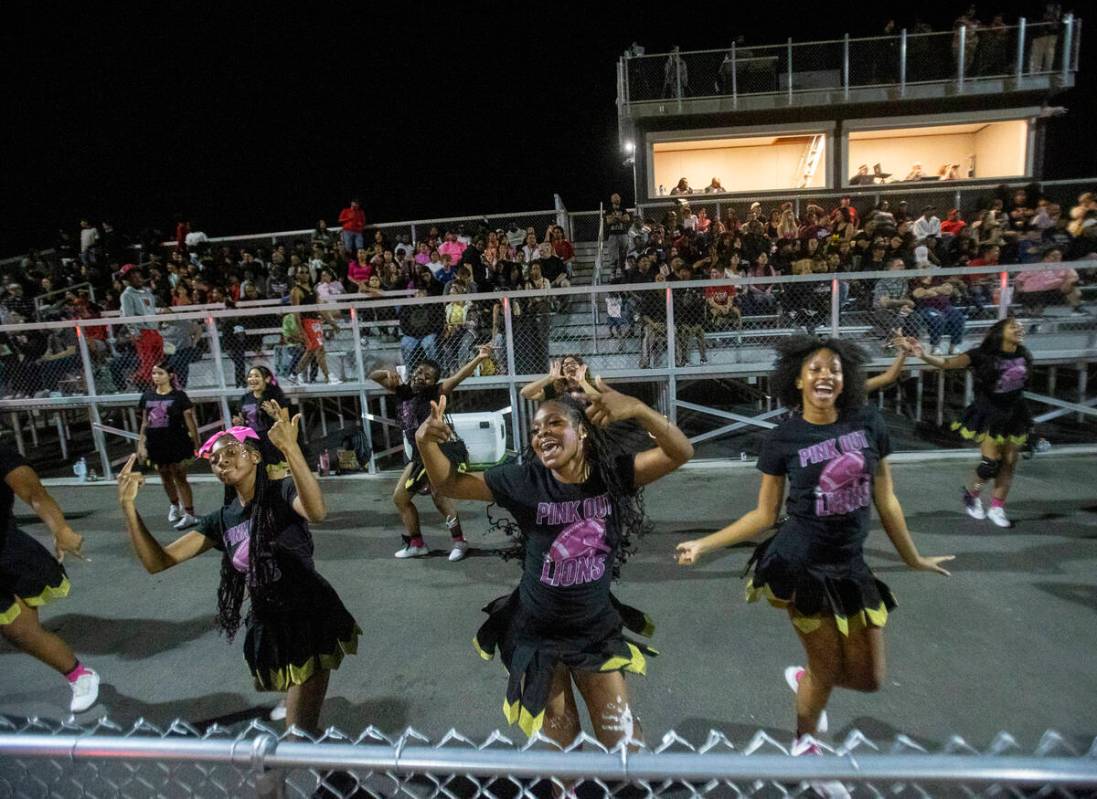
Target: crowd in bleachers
pixel 1011 227
pixel 85 277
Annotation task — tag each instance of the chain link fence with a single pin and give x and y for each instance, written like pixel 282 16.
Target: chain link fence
pixel 48 759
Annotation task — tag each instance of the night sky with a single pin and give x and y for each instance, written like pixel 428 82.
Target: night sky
pixel 248 122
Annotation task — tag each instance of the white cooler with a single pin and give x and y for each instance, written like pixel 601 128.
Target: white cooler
pixel 485 435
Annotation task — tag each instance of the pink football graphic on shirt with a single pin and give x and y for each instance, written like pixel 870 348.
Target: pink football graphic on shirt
pixel 240 556
pixel 1012 377
pixel 842 471
pixel 579 539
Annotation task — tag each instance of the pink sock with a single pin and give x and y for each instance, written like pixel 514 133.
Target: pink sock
pixel 78 671
pixel 997 503
pixel 417 541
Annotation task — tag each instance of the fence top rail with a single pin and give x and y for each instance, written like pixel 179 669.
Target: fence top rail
pixel 377 225
pixel 783 46
pixel 233 313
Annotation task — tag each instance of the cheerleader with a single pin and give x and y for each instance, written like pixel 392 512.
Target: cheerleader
pixel 252 412
pixel 831 452
pixel 169 439
pixel 413 403
pixel 999 419
pixel 578 504
pixel 30 577
pixel 297 627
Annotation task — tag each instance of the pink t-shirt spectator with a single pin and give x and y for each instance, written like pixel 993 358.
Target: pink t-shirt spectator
pixel 453 249
pixel 359 273
pixel 1051 280
pixel 326 291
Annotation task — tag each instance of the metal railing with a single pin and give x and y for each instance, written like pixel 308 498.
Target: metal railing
pixel 40 758
pixel 662 333
pixel 961 56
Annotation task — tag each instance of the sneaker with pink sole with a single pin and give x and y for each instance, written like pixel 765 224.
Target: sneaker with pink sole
pixel 831 789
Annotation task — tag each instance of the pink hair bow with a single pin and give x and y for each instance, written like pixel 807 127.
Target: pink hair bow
pixel 239 433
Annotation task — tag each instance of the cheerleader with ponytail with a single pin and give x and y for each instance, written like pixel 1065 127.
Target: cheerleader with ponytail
pixel 169 439
pixel 297 628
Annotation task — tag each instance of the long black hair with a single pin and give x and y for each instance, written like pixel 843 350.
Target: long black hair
pixel 602 450
pixel 793 351
pixel 986 374
pixel 262 568
pixel 271 389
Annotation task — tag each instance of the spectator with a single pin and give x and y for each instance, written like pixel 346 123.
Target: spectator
pixel 714 187
pixel 992 57
pixel 652 310
pixel 927 224
pixel 981 287
pixel 552 268
pixel 89 237
pixel 1046 36
pixel 457 334
pixel 353 220
pixel 453 248
pixel 18 302
pixel 721 311
pixel 563 249
pixel 420 327
pixel 311 325
pixel 1037 290
pixel 933 300
pixel 893 309
pixel 682 187
pixel 969 24
pixel 760 297
pixel 862 178
pixel 916 172
pixel 329 288
pixel 675 76
pixel 618 222
pixel 322 236
pixel 148 344
pixel 181 337
pixel 953 224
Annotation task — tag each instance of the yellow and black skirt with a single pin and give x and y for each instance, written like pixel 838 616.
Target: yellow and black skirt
pixel 27 571
pixel 846 590
pixel 303 629
pixel 1005 423
pixel 531 660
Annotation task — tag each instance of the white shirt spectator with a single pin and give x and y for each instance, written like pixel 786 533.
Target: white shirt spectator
pixel 924 228
pixel 88 237
pixel 195 238
pixel 325 292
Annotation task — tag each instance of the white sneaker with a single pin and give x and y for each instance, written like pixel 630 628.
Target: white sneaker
pixel 174 515
pixel 793 675
pixel 334 381
pixel 460 549
pixel 937 350
pixel 951 349
pixel 998 516
pixel 832 789
pixel 278 712
pixel 185 521
pixel 973 505
pixel 412 552
pixel 84 691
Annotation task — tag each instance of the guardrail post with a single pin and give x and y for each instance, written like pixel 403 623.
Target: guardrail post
pixel 903 62
pixel 516 415
pixel 1068 45
pixel 835 306
pixel 734 79
pixel 845 66
pixel 1020 69
pixel 219 367
pixel 672 360
pixel 678 76
pixel 790 70
pixel 1003 295
pixel 960 56
pixel 97 436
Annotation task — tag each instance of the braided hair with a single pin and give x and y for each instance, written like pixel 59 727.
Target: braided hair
pixel 262 567
pixel 601 449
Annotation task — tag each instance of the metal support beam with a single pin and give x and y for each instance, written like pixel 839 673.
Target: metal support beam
pixel 672 359
pixel 1019 71
pixel 729 428
pixel 1083 407
pixel 757 421
pixel 97 436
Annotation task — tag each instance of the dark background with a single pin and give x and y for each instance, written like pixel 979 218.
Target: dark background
pixel 248 119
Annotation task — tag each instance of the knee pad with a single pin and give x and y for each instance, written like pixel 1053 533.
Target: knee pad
pixel 988 468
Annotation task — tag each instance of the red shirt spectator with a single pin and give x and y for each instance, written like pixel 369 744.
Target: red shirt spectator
pixel 988 256
pixel 954 224
pixel 353 218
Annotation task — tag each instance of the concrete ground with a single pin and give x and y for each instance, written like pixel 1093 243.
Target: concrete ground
pixel 1008 643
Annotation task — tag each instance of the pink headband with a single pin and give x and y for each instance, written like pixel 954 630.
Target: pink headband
pixel 239 433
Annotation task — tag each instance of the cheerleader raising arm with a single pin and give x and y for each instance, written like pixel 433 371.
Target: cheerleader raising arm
pixel 154 557
pixel 895 524
pixel 746 527
pixel 309 502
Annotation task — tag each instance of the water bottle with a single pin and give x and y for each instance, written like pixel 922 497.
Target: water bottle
pixel 81 470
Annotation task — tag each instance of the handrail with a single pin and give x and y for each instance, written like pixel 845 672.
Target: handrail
pixel 38 300
pixel 601 243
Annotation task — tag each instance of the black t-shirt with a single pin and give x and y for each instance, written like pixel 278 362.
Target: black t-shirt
pixel 252 411
pixel 413 408
pixel 552 267
pixel 165 412
pixel 571 540
pixel 830 469
pixel 10 460
pixel 230 528
pixel 1010 375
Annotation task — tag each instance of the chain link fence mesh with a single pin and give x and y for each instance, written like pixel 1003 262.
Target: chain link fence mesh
pixel 179 760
